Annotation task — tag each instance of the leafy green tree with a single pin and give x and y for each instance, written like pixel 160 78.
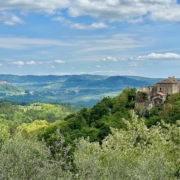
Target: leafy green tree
pixel 91 133
pixel 26 159
pixel 173 98
pixel 4 132
pixel 143 112
pixel 119 102
pixel 85 113
pixel 134 153
pixel 98 111
pixel 103 132
pixel 166 110
pixel 32 130
pixel 141 96
pixel 77 123
pixel 131 93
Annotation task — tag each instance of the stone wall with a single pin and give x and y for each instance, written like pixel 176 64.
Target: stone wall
pixel 168 88
pixel 146 89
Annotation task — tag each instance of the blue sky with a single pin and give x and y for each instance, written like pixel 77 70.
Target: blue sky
pixel 105 37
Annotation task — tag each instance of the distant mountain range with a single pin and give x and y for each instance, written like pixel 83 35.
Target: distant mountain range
pixel 83 90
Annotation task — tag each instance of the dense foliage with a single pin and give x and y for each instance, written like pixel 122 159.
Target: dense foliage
pixel 134 153
pixel 169 111
pixel 107 141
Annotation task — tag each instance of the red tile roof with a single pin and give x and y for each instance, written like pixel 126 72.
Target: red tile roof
pixel 161 94
pixel 170 80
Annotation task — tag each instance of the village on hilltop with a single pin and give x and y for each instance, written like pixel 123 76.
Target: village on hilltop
pixel 157 94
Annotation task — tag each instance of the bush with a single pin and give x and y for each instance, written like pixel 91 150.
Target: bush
pixel 24 159
pixel 133 154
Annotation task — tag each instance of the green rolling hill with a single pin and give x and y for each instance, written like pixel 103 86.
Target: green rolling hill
pixel 83 90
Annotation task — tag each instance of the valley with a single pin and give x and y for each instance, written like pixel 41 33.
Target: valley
pixel 84 90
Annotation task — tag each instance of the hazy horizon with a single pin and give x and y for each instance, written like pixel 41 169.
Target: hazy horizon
pixel 87 74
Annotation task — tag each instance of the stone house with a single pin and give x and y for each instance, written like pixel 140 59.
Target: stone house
pixel 157 93
pixel 158 98
pixel 167 86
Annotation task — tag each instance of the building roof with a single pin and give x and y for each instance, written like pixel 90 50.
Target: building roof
pixel 160 93
pixel 170 80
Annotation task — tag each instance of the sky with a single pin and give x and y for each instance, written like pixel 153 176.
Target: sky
pixel 104 37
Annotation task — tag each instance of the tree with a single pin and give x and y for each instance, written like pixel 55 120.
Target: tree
pixel 4 132
pixel 166 110
pixel 98 111
pixel 141 96
pixel 26 159
pixel 131 154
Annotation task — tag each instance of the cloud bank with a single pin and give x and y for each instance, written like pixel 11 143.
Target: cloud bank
pixel 160 56
pixel 10 19
pixel 23 42
pixel 111 10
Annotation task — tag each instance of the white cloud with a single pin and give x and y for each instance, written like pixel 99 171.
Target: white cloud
pixel 112 43
pixel 131 58
pixel 10 19
pixel 59 61
pixel 35 5
pixel 51 67
pixel 110 59
pixel 1 64
pixel 107 59
pixel 92 26
pixel 112 10
pixel 18 63
pixel 165 13
pixel 98 25
pixel 123 59
pixel 160 56
pixel 23 43
pixel 136 20
pixel 79 45
pixel 30 63
pixel 98 66
pixel 119 10
pixel 80 26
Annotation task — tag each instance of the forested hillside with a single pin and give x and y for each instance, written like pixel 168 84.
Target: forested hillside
pixel 10 90
pixel 111 140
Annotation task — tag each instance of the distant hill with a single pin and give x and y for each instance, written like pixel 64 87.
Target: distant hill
pixel 83 90
pixel 10 90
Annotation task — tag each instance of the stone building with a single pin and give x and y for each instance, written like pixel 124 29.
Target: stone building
pixel 147 89
pixel 157 98
pixel 168 86
pixel 157 93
